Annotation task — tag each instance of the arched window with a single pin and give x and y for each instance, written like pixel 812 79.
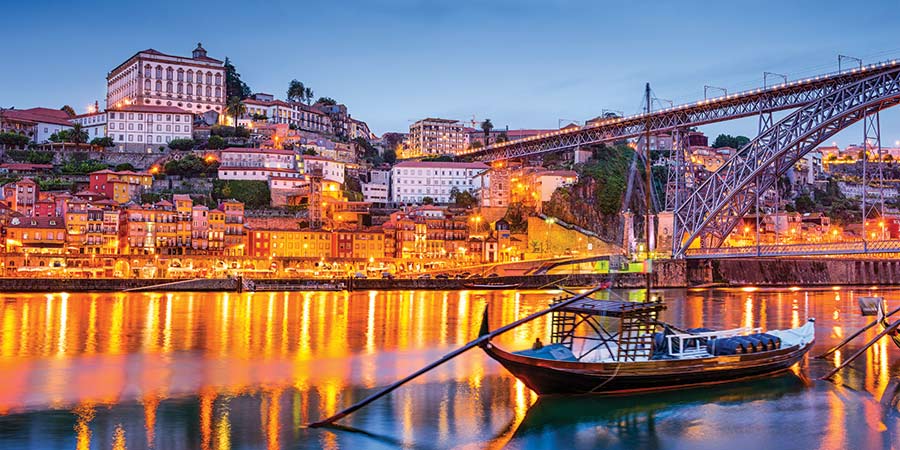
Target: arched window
pixel 208 77
pixel 168 73
pixel 180 88
pixel 190 89
pixel 180 74
pixel 158 71
pixel 169 87
pixel 190 77
pixel 158 85
pixel 148 71
pixel 218 79
pixel 146 84
pixel 218 92
pixel 208 91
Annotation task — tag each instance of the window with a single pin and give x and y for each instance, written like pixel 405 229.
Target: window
pixel 180 74
pixel 208 77
pixel 208 91
pixel 190 91
pixel 140 116
pixel 158 71
pixel 169 87
pixel 218 79
pixel 147 71
pixel 218 92
pixel 168 73
pixel 147 84
pixel 180 88
pixel 190 76
pixel 158 85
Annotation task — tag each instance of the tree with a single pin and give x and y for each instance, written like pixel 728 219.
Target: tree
pixel 462 199
pixel 105 141
pixel 390 156
pixel 75 135
pixel 727 140
pixel 486 127
pixel 182 144
pixel 475 145
pixel 124 166
pixel 14 140
pixel 502 137
pixel 215 143
pixel 69 110
pixel 236 108
pixel 298 92
pixel 427 201
pixel 253 193
pixel 191 166
pixel 327 101
pixel 234 87
pixel 310 152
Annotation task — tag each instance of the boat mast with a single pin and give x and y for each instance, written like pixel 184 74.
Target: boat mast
pixel 648 191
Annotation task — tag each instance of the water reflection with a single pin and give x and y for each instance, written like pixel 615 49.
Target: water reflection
pixel 211 371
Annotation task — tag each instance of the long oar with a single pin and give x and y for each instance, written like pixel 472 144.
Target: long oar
pixel 887 330
pixel 483 337
pixel 854 335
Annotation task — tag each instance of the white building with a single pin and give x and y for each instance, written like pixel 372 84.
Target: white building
pixel 147 127
pixel 37 123
pixel 152 78
pixel 257 164
pixel 547 182
pixel 323 167
pixel 412 181
pixel 437 137
pixel 300 116
pixel 94 124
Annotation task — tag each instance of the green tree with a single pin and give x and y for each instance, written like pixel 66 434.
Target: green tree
pixel 14 140
pixel 327 101
pixel 125 166
pixel 390 156
pixel 298 92
pixel 486 128
pixel 253 193
pixel 463 199
pixel 105 141
pixel 236 108
pixel 727 140
pixel 502 137
pixel 234 86
pixel 216 143
pixel 69 110
pixel 182 144
pixel 427 201
pixel 309 151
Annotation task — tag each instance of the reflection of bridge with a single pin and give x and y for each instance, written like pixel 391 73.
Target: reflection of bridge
pixel 707 213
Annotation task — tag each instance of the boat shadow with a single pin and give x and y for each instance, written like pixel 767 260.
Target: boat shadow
pixel 634 415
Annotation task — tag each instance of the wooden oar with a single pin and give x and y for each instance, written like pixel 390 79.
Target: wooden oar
pixel 854 335
pixel 482 338
pixel 887 330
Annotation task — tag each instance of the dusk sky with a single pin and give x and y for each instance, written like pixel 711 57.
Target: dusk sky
pixel 523 64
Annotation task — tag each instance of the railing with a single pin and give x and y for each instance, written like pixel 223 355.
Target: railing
pixel 825 248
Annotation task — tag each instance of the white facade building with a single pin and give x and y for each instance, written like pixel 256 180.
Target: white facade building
pixel 257 164
pixel 412 181
pixel 323 167
pixel 146 127
pixel 37 123
pixel 437 137
pixel 152 78
pixel 94 124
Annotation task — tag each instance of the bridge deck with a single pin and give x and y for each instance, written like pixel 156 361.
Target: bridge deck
pixel 825 248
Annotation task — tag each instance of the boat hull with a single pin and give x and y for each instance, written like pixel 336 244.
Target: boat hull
pixel 551 377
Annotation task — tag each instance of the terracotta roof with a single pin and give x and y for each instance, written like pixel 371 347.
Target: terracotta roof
pixel 42 115
pixel 25 166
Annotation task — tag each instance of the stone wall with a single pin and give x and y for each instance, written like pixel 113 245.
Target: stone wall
pixel 802 271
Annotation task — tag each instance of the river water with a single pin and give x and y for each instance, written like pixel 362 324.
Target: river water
pixel 247 371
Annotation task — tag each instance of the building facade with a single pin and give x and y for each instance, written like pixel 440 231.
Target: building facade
pixel 147 127
pixel 437 137
pixel 412 181
pixel 152 78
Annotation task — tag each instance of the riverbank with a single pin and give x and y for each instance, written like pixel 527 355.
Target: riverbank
pixel 667 274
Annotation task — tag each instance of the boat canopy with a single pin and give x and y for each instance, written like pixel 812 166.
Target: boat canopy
pixel 612 308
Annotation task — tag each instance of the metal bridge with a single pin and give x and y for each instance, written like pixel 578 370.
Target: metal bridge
pixel 821 106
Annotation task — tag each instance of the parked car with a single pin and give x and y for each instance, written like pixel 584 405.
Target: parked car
pixel 442 276
pixel 359 275
pixel 387 275
pixel 424 276
pixel 493 275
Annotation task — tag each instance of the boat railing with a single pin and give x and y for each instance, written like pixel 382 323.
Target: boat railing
pixel 682 345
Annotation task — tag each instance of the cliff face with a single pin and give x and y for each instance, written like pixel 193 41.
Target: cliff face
pixel 595 201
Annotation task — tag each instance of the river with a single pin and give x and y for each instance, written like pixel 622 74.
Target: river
pixel 247 371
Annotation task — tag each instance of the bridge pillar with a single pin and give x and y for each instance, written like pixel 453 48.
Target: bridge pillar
pixel 665 230
pixel 628 242
pixel 581 156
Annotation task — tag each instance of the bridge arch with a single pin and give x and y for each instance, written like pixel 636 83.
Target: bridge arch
pixel 717 205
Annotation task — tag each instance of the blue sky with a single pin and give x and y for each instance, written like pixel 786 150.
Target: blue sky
pixel 521 63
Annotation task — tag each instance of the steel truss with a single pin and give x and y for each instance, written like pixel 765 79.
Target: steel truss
pixel 733 106
pixel 715 207
pixel 872 208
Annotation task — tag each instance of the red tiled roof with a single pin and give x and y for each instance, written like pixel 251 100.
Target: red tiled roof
pixel 43 115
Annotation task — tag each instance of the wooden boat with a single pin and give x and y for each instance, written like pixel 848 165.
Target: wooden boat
pixel 644 354
pixel 883 319
pixel 496 285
